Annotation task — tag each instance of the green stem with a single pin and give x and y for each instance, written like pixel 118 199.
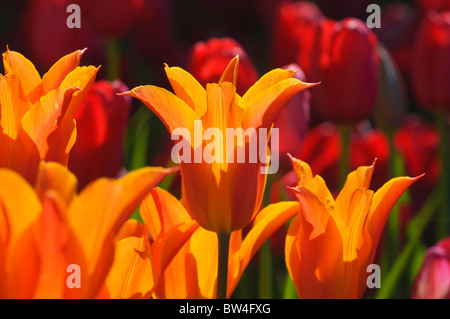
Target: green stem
pixel 289 291
pixel 344 164
pixel 415 230
pixel 265 272
pixel 113 59
pixel 444 216
pixel 222 267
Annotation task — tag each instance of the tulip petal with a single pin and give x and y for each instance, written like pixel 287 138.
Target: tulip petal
pixel 187 88
pixel 19 203
pixel 82 78
pixel 360 178
pixel 131 275
pixel 19 209
pixel 16 63
pixel 161 211
pixel 58 72
pixel 268 80
pixel 50 239
pixel 231 72
pixel 170 109
pixel 262 110
pixel 13 104
pixel 113 201
pixel 44 117
pixel 55 177
pixel 312 209
pixel 383 201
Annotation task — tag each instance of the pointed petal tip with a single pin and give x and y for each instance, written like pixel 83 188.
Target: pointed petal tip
pixel 127 93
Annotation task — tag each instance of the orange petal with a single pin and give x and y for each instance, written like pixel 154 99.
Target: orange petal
pixel 315 275
pixel 383 201
pixel 170 109
pixel 50 240
pixel 131 274
pixel 265 224
pixel 187 88
pixel 231 72
pixel 101 208
pixel 58 72
pixel 20 208
pixel 13 104
pixel 313 210
pixel 315 184
pixel 165 249
pixel 262 110
pixel 16 63
pixel 360 178
pixel 55 177
pixel 268 80
pixel 82 78
pixel 45 116
pixel 20 204
pixel 161 211
pixel 24 156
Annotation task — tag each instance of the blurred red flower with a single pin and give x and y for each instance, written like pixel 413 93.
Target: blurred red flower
pixel 433 280
pixel 344 57
pixel 399 22
pixel 418 142
pixel 438 5
pixel 112 18
pixel 431 64
pixel 289 26
pixel 209 59
pixel 48 38
pixel 101 122
pixel 293 122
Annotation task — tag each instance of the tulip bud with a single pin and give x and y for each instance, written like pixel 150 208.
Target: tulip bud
pixel 209 59
pixel 290 24
pixel 392 97
pixel 433 280
pixel 101 122
pixel 418 143
pixel 431 65
pixel 343 56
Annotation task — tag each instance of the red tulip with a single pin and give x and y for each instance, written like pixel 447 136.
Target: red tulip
pixel 209 59
pixel 431 63
pixel 344 57
pixel 101 122
pixel 290 23
pixel 292 122
pixel 418 142
pixel 112 18
pixel 433 280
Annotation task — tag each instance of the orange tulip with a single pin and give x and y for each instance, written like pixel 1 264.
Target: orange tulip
pixel 46 230
pixel 37 114
pixel 139 261
pixel 192 272
pixel 332 241
pixel 221 196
